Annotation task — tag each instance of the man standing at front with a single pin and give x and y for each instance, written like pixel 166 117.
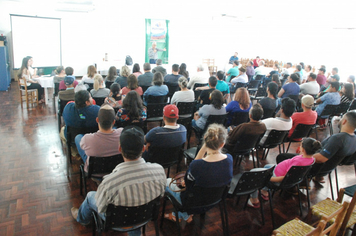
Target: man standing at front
pixel 152 53
pixel 132 183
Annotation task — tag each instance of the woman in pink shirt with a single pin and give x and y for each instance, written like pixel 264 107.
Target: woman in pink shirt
pixel 132 84
pixel 308 147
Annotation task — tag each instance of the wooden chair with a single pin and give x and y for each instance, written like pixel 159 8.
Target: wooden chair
pixel 297 227
pixel 28 95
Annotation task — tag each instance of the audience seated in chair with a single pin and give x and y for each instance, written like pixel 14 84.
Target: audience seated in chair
pixel 185 94
pixel 241 103
pixel 261 69
pixel 122 79
pixel 68 94
pixel 308 148
pixel 102 143
pixel 170 135
pixel 307 117
pixel 146 78
pixel 159 68
pixel 114 98
pixel 172 79
pixel 132 110
pixel 89 77
pixel 205 95
pixel 234 71
pixel 255 126
pixel 335 147
pixel 132 85
pixel 80 114
pixel 99 90
pixel 214 108
pixel 222 86
pixel 158 88
pixel 69 72
pixel 269 103
pixel 128 182
pixel 290 88
pixel 241 77
pixel 210 169
pixel 200 77
pixel 311 87
pixel 112 75
pixel 282 121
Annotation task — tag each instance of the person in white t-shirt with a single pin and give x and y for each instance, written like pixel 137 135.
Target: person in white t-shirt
pixel 200 77
pixel 282 121
pixel 306 73
pixel 185 94
pixel 241 78
pixel 311 87
pixel 89 77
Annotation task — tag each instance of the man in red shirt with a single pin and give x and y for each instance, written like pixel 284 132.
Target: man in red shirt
pixel 307 117
pixel 321 79
pixel 256 61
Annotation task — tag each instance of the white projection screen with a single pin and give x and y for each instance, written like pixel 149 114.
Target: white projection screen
pixel 39 37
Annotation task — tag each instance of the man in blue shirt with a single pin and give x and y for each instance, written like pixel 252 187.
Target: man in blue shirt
pixel 233 58
pixel 172 79
pixel 332 97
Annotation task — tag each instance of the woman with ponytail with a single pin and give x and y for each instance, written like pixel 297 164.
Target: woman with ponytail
pixel 211 168
pixel 185 94
pixel 308 147
pixel 99 90
pixel 114 98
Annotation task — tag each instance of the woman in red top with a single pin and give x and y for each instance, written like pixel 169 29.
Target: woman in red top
pixel 132 84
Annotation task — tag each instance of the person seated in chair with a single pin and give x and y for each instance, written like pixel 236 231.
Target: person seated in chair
pixel 172 79
pixel 334 148
pixel 69 72
pixel 255 126
pixel 159 68
pixel 158 88
pixel 282 121
pixel 204 97
pixel 132 183
pixel 103 143
pixel 68 94
pixel 290 88
pixel 307 117
pixel 269 103
pixel 241 103
pixel 170 135
pixel 210 169
pixel 308 147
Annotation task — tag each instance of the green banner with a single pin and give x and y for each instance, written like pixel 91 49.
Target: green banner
pixel 157 40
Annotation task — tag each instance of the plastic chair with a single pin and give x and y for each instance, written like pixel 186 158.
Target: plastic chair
pixel 294 176
pixel 297 227
pixel 248 183
pixel 166 157
pixel 61 105
pixel 108 84
pixel 172 88
pixel 253 86
pixel 144 88
pixel 186 109
pixel 300 131
pixel 261 93
pixel 155 99
pixel 197 92
pixel 198 201
pixel 187 122
pixel 340 110
pixel 212 119
pixel 125 219
pixel 236 86
pixel 239 118
pixel 327 112
pixel 353 105
pixel 99 100
pixel 91 86
pixel 98 167
pixel 275 138
pixel 28 95
pixel 155 112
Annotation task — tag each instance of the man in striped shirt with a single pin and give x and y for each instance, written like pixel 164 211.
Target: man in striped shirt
pixel 132 183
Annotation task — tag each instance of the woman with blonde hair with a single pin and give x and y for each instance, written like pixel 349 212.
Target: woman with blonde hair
pixel 89 77
pixel 210 168
pixel 122 79
pixel 99 90
pixel 241 103
pixel 132 85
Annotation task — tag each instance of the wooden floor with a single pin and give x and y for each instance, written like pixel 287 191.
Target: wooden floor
pixel 36 195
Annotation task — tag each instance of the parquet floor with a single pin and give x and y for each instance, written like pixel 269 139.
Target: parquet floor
pixel 36 195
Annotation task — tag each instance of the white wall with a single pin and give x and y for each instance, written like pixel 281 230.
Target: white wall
pixel 282 29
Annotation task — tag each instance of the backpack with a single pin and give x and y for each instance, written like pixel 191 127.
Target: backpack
pixel 128 60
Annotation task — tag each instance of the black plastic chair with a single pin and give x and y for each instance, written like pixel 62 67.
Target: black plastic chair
pixel 294 98
pixel 108 84
pixel 261 93
pixel 74 131
pixel 197 92
pixel 166 157
pixel 300 131
pixel 294 176
pixel 253 86
pixel 144 88
pixel 172 88
pixel 186 109
pixel 99 100
pixel 353 105
pixel 55 94
pixel 212 119
pixel 155 112
pixel 61 105
pixel 248 183
pixel 91 86
pixel 198 201
pixel 236 86
pixel 275 138
pixel 125 219
pixel 155 99
pixel 340 110
pixel 246 145
pixel 98 167
pixel 327 112
pixel 239 118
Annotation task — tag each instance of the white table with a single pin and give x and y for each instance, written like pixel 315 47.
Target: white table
pixel 46 82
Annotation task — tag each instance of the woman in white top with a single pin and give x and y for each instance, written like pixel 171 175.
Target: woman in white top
pixel 99 90
pixel 185 94
pixel 89 77
pixel 25 74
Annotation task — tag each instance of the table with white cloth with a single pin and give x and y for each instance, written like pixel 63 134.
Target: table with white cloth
pixel 46 82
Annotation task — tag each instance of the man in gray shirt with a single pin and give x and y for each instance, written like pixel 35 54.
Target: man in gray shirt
pixel 159 68
pixel 146 78
pixel 152 53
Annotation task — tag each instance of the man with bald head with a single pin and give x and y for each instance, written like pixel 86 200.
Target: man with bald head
pixel 103 143
pixel 152 53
